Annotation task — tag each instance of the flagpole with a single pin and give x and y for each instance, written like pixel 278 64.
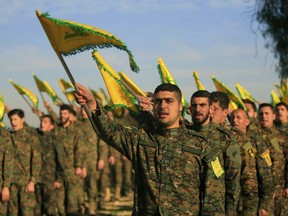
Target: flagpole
pixel 87 110
pixel 26 101
pixel 41 96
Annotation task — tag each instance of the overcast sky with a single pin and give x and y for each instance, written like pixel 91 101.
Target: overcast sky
pixel 212 37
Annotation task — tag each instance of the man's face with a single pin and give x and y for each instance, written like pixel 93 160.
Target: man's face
pixel 240 120
pixel 167 109
pixel 249 108
pixel 266 117
pixel 64 116
pixel 46 124
pixel 16 122
pixel 218 115
pixel 281 114
pixel 200 110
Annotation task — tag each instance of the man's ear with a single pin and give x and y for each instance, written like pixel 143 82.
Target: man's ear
pixel 211 109
pixel 180 107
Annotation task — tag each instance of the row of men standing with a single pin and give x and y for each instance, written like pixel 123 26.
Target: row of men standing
pixel 46 171
pixel 209 169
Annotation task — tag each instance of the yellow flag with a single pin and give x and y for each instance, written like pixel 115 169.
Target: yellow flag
pixel 244 94
pixel 97 95
pixel 106 97
pixel 284 86
pixel 119 95
pixel 24 91
pixel 274 98
pixel 39 83
pixel 132 86
pixel 2 124
pixel 51 92
pixel 68 37
pixel 279 89
pixel 67 89
pixel 43 86
pixel 166 77
pixel 220 86
pixel 2 108
pixel 197 81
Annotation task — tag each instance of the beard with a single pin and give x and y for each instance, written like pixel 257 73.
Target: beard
pixel 199 122
pixel 64 120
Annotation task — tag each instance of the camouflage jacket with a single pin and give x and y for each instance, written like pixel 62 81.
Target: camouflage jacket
pixel 71 140
pixel 52 155
pixel 6 158
pixel 221 187
pixel 91 143
pixel 256 175
pixel 277 153
pixel 27 156
pixel 167 166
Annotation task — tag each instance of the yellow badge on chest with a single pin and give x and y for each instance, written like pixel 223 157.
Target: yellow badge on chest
pixel 216 166
pixel 266 156
pixel 250 150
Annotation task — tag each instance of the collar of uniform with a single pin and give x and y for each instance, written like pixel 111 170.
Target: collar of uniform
pixel 201 128
pixel 170 131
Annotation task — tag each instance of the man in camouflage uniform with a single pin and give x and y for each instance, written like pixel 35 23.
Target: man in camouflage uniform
pixel 222 160
pixel 71 139
pixel 27 165
pixel 50 187
pixel 166 160
pixel 277 144
pixel 281 121
pixel 7 154
pixel 256 177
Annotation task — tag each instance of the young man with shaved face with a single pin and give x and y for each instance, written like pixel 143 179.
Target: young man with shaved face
pixel 166 159
pixel 277 144
pixel 256 177
pixel 220 103
pixel 281 121
pixel 222 160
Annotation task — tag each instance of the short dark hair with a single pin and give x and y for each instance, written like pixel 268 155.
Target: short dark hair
pixel 49 117
pixel 251 103
pixel 266 105
pixel 221 97
pixel 66 107
pixel 282 104
pixel 18 112
pixel 169 87
pixel 202 93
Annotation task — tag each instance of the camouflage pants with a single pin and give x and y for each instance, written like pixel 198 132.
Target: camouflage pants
pixel 90 183
pixel 21 202
pixel 74 196
pixel 3 208
pixel 104 181
pixel 248 204
pixel 116 173
pixel 280 204
pixel 50 201
pixel 127 177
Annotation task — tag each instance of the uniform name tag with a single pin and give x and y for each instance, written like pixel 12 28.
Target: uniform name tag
pixel 266 155
pixel 216 166
pixel 248 147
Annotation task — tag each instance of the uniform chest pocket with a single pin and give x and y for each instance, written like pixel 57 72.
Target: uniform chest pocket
pixel 213 162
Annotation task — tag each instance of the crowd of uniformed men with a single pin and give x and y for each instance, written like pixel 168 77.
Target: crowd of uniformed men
pixel 221 163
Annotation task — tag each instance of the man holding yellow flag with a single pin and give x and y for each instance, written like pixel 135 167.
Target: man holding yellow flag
pixel 166 160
